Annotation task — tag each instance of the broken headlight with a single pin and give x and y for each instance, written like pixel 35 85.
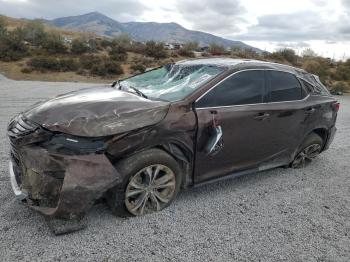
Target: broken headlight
pixel 70 145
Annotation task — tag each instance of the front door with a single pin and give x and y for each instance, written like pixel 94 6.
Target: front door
pixel 236 105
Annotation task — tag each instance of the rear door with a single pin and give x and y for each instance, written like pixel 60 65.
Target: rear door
pixel 288 111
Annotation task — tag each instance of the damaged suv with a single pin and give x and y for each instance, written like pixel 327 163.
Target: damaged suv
pixel 138 142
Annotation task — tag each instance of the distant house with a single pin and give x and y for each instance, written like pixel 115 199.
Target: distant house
pixel 169 46
pixel 67 40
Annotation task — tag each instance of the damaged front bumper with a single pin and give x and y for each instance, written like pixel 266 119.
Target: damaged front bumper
pixel 61 186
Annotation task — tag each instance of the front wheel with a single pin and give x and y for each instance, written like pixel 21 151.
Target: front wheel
pixel 152 181
pixel 310 149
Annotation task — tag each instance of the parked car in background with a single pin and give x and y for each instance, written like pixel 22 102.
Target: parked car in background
pixel 140 141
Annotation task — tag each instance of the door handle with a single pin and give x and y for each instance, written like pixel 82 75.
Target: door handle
pixel 261 116
pixel 310 110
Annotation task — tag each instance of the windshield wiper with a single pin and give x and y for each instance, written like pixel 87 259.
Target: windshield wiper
pixel 137 91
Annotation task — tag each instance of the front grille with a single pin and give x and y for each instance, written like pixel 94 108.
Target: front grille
pixel 20 127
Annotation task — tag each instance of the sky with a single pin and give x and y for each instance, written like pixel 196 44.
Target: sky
pixel 322 25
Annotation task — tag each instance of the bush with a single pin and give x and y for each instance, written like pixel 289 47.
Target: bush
pixel 12 47
pixel 340 87
pixel 155 50
pixel 26 70
pixel 88 61
pixel 118 53
pixel 34 33
pixel 138 68
pixel 53 44
pixel 185 52
pixel 79 47
pixel 216 49
pixel 106 68
pixel 53 64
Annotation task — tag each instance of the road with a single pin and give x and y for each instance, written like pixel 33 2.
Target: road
pixel 277 215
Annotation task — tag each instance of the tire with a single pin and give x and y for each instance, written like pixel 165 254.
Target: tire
pixel 138 170
pixel 309 150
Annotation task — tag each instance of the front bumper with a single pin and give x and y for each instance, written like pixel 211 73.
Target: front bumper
pixel 61 186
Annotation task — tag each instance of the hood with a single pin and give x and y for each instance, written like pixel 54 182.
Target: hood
pixel 96 112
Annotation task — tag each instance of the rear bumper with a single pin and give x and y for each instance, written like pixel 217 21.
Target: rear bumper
pixel 15 187
pixel 331 135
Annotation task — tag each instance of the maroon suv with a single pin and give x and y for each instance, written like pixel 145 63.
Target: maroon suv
pixel 138 142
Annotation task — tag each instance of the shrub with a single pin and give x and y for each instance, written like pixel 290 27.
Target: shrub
pixel 26 70
pixel 53 64
pixel 53 44
pixel 123 40
pixel 106 68
pixel 155 50
pixel 12 47
pixel 118 53
pixel 88 61
pixel 185 52
pixel 79 47
pixel 340 87
pixel 138 68
pixel 34 33
pixel 216 49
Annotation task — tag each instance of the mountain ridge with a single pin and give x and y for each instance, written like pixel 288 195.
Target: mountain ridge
pixel 103 25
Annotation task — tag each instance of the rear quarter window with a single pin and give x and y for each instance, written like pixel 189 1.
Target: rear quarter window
pixel 283 86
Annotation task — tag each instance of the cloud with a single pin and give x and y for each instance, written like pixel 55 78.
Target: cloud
pixel 123 10
pixel 298 26
pixel 294 45
pixel 220 17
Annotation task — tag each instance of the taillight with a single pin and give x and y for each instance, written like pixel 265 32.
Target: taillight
pixel 336 106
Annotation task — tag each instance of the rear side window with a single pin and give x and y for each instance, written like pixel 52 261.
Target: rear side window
pixel 242 88
pixel 283 86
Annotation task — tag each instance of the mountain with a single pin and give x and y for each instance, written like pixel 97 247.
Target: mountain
pixel 142 31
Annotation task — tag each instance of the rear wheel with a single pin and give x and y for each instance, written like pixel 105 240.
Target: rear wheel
pixel 152 181
pixel 309 150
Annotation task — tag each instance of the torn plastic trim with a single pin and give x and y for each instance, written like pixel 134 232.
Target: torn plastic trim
pixel 20 195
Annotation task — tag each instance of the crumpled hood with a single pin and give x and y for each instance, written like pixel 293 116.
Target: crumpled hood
pixel 95 112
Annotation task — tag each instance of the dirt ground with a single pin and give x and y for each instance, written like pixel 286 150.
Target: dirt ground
pixel 277 215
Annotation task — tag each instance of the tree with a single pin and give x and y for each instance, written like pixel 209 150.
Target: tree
pixel 289 55
pixel 122 40
pixel 118 53
pixel 54 44
pixel 188 48
pixel 155 50
pixel 34 33
pixel 3 29
pixel 12 47
pixel 308 53
pixel 216 49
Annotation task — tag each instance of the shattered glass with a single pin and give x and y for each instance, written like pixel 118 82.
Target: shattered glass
pixel 172 82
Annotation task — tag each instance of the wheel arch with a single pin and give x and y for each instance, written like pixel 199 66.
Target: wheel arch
pixel 183 155
pixel 322 132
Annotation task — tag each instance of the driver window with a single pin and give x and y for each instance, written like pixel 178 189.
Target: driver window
pixel 246 87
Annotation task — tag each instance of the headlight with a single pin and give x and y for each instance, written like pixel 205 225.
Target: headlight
pixel 70 145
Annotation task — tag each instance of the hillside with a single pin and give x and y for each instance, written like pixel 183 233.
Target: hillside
pixel 142 31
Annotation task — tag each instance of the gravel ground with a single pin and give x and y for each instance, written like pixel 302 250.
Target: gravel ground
pixel 278 215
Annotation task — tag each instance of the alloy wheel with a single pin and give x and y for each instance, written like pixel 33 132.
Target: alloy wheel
pixel 150 190
pixel 306 156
